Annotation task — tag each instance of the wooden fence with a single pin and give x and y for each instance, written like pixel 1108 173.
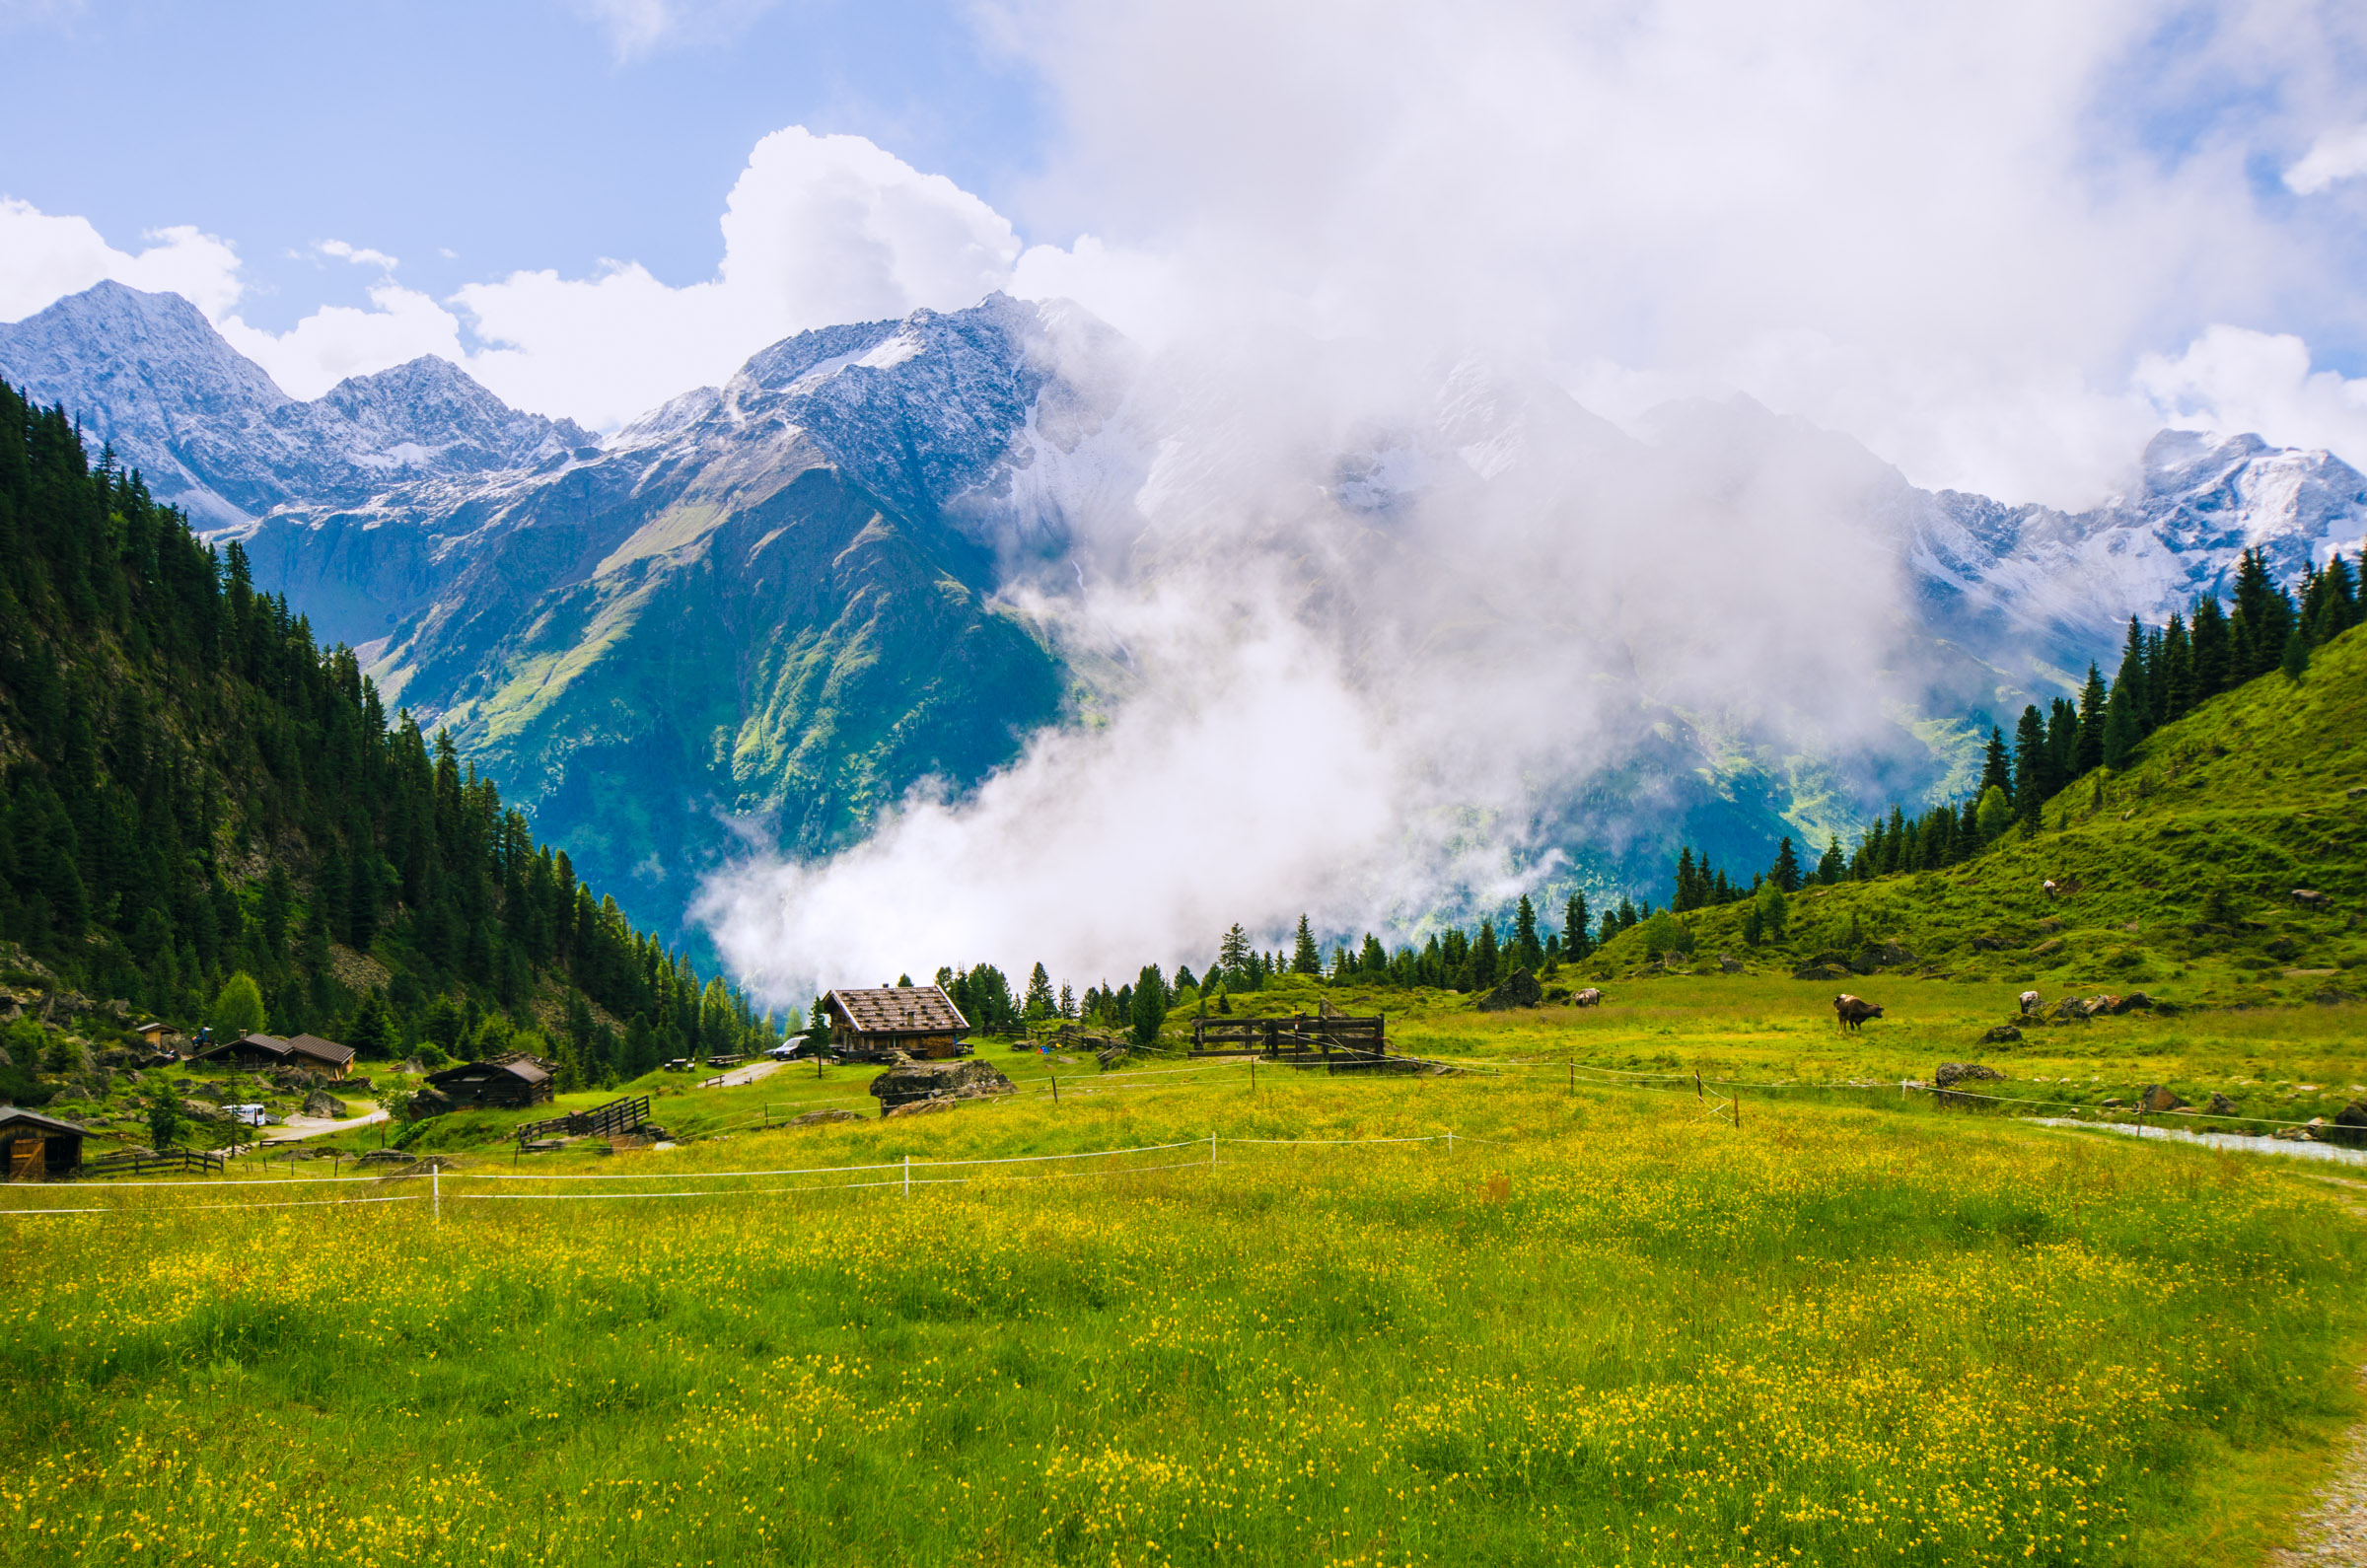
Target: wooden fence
pixel 193 1161
pixel 610 1121
pixel 1295 1037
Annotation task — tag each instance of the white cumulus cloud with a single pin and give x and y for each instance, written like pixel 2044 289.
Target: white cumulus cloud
pixel 2234 380
pixel 44 256
pixel 2335 157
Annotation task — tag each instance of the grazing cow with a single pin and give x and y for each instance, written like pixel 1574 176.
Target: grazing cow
pixel 2310 897
pixel 2032 1001
pixel 1590 997
pixel 1853 1011
pixel 2052 888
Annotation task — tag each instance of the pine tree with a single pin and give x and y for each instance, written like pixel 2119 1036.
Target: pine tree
pixel 1305 958
pixel 1689 896
pixel 1488 962
pixel 1040 1003
pixel 1786 871
pixel 1150 1005
pixel 1627 916
pixel 1527 952
pixel 2030 767
pixel 2297 654
pixel 2123 730
pixel 2088 750
pixel 1996 768
pixel 1577 940
pixel 2261 623
pixel 1833 867
pixel 1233 953
pixel 2214 653
pixel 2135 676
pixel 2174 674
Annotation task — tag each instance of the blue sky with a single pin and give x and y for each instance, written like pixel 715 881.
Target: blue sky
pixel 513 134
pixel 2000 242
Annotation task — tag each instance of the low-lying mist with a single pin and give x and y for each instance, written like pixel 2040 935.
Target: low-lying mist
pixel 1381 644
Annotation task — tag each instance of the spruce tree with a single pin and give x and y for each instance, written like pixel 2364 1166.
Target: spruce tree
pixel 1688 894
pixel 2087 751
pixel 1786 871
pixel 2297 654
pixel 2213 651
pixel 2135 674
pixel 1233 953
pixel 1527 952
pixel 2174 676
pixel 2123 730
pixel 1577 940
pixel 2030 767
pixel 1305 958
pixel 1486 965
pixel 1040 1003
pixel 1996 767
pixel 1149 1004
pixel 1832 867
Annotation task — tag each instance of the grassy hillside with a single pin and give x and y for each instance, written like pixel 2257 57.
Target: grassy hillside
pixel 2184 862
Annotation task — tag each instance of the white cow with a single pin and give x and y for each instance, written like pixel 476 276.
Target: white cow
pixel 2029 1002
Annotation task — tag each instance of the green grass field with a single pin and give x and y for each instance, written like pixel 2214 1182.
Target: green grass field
pixel 1602 1328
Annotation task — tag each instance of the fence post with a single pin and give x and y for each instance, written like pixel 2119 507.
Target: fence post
pixel 435 1187
pixel 1212 1151
pixel 1055 1078
pixel 1449 1140
pixel 1697 1094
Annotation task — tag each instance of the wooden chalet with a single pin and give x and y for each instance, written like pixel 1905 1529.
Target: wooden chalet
pixel 37 1148
pixel 501 1080
pixel 309 1052
pixel 874 1024
pixel 157 1037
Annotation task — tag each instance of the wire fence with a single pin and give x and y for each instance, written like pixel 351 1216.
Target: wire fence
pixel 903 1174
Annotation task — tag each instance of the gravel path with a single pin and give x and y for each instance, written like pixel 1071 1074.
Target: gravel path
pixel 2333 1532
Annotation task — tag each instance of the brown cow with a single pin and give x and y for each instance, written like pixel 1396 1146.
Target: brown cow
pixel 1853 1011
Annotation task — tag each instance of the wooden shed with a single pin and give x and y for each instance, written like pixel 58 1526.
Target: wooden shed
pixel 37 1148
pixel 502 1081
pixel 917 1020
pixel 309 1052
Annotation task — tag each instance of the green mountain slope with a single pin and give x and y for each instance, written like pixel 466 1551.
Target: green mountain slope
pixel 2180 867
pixel 191 787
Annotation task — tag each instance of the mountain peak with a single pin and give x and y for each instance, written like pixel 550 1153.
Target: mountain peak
pixel 212 432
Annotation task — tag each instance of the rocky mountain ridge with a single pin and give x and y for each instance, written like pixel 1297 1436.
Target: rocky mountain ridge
pixel 213 434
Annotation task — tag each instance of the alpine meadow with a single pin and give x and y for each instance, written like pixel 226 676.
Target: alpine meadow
pixel 1162 786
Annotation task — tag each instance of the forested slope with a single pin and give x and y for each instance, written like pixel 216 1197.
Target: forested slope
pixel 190 788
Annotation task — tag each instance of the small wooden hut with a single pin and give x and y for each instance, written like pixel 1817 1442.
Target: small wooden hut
pixel 37 1148
pixel 516 1080
pixel 874 1024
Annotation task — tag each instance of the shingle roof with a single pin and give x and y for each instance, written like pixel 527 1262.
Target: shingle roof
pixel 525 1067
pixel 328 1051
pixel 18 1113
pixel 899 1010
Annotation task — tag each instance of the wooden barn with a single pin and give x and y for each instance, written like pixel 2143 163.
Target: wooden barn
pixel 309 1052
pixel 873 1025
pixel 37 1148
pixel 501 1080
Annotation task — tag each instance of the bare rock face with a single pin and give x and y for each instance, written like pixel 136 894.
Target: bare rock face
pixel 327 1107
pixel 914 1082
pixel 2160 1097
pixel 1953 1073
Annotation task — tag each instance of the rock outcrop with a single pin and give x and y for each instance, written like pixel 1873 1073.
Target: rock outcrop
pixel 917 1082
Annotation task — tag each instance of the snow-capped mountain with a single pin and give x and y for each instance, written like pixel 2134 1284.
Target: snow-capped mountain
pixel 213 434
pixel 2202 501
pixel 788 599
